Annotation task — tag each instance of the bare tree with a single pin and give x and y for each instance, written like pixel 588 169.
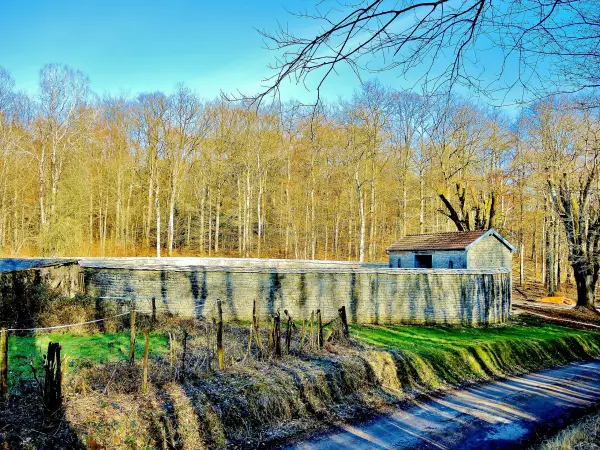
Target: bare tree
pixel 152 113
pixel 576 197
pixel 183 132
pixel 415 38
pixel 407 119
pixel 62 91
pixel 473 211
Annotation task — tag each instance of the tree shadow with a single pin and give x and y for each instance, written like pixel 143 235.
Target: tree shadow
pixel 24 420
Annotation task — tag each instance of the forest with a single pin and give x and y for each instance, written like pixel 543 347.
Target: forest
pixel 174 174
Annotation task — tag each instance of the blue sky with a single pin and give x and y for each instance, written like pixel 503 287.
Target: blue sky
pixel 132 46
pixel 136 46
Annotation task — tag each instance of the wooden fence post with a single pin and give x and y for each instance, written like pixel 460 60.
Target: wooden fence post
pixel 312 335
pixel 344 318
pixel 132 336
pixel 3 364
pixel 53 378
pixel 250 341
pixel 153 311
pixel 303 335
pixel 252 327
pixel 319 329
pixel 288 335
pixel 256 325
pixel 171 356
pixel 182 370
pixel 220 350
pixel 278 334
pixel 145 361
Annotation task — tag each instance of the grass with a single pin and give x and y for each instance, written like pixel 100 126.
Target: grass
pixel 584 434
pixel 427 339
pixel 483 350
pixel 430 358
pixel 256 401
pixel 79 350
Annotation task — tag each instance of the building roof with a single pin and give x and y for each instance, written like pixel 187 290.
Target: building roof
pixel 458 240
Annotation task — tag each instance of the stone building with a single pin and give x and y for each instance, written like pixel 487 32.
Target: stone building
pixel 456 250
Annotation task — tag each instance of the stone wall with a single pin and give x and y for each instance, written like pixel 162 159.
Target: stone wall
pixel 371 294
pixel 23 291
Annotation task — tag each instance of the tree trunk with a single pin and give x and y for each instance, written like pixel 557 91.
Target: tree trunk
pixel 210 240
pixel 149 209
pixel 171 229
pixel 404 199
pixel 584 279
pixel 288 206
pixel 240 218
pixel 550 265
pixel 157 207
pixel 15 245
pixel 363 225
pixel 522 264
pixel 421 203
pixel 42 186
pixel 188 232
pixel 202 218
pixel 217 218
pixel 91 219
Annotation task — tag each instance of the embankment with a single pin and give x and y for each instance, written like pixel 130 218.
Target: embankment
pixel 267 402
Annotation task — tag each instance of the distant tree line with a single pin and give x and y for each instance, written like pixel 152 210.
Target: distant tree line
pixel 175 175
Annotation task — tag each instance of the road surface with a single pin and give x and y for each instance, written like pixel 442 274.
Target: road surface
pixel 511 413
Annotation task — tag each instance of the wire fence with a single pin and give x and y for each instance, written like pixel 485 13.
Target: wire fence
pixel 70 325
pixel 214 343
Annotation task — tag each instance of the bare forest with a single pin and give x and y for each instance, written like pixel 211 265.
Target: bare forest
pixel 175 174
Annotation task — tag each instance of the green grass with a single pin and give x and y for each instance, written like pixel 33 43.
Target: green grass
pixel 393 363
pixel 424 357
pixel 78 350
pixel 423 339
pixel 429 358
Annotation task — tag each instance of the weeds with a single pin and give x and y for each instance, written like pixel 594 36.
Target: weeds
pixel 260 398
pixel 584 434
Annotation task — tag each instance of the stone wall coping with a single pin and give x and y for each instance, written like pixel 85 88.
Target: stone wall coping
pixel 113 265
pixel 202 261
pixel 18 264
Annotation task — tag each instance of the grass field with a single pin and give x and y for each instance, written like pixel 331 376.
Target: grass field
pixel 424 339
pixel 480 347
pixel 431 357
pixel 77 349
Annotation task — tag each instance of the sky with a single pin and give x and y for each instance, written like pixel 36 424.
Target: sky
pixel 130 46
pixel 133 46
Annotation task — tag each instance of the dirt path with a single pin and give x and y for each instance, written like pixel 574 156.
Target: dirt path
pixel 506 414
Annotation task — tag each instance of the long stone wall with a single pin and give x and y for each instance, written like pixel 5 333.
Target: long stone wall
pixel 372 294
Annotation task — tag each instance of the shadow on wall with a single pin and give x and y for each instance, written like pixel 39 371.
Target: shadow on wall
pixel 370 296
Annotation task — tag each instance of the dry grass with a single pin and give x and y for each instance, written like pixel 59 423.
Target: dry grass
pixel 584 435
pixel 263 399
pixel 187 423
